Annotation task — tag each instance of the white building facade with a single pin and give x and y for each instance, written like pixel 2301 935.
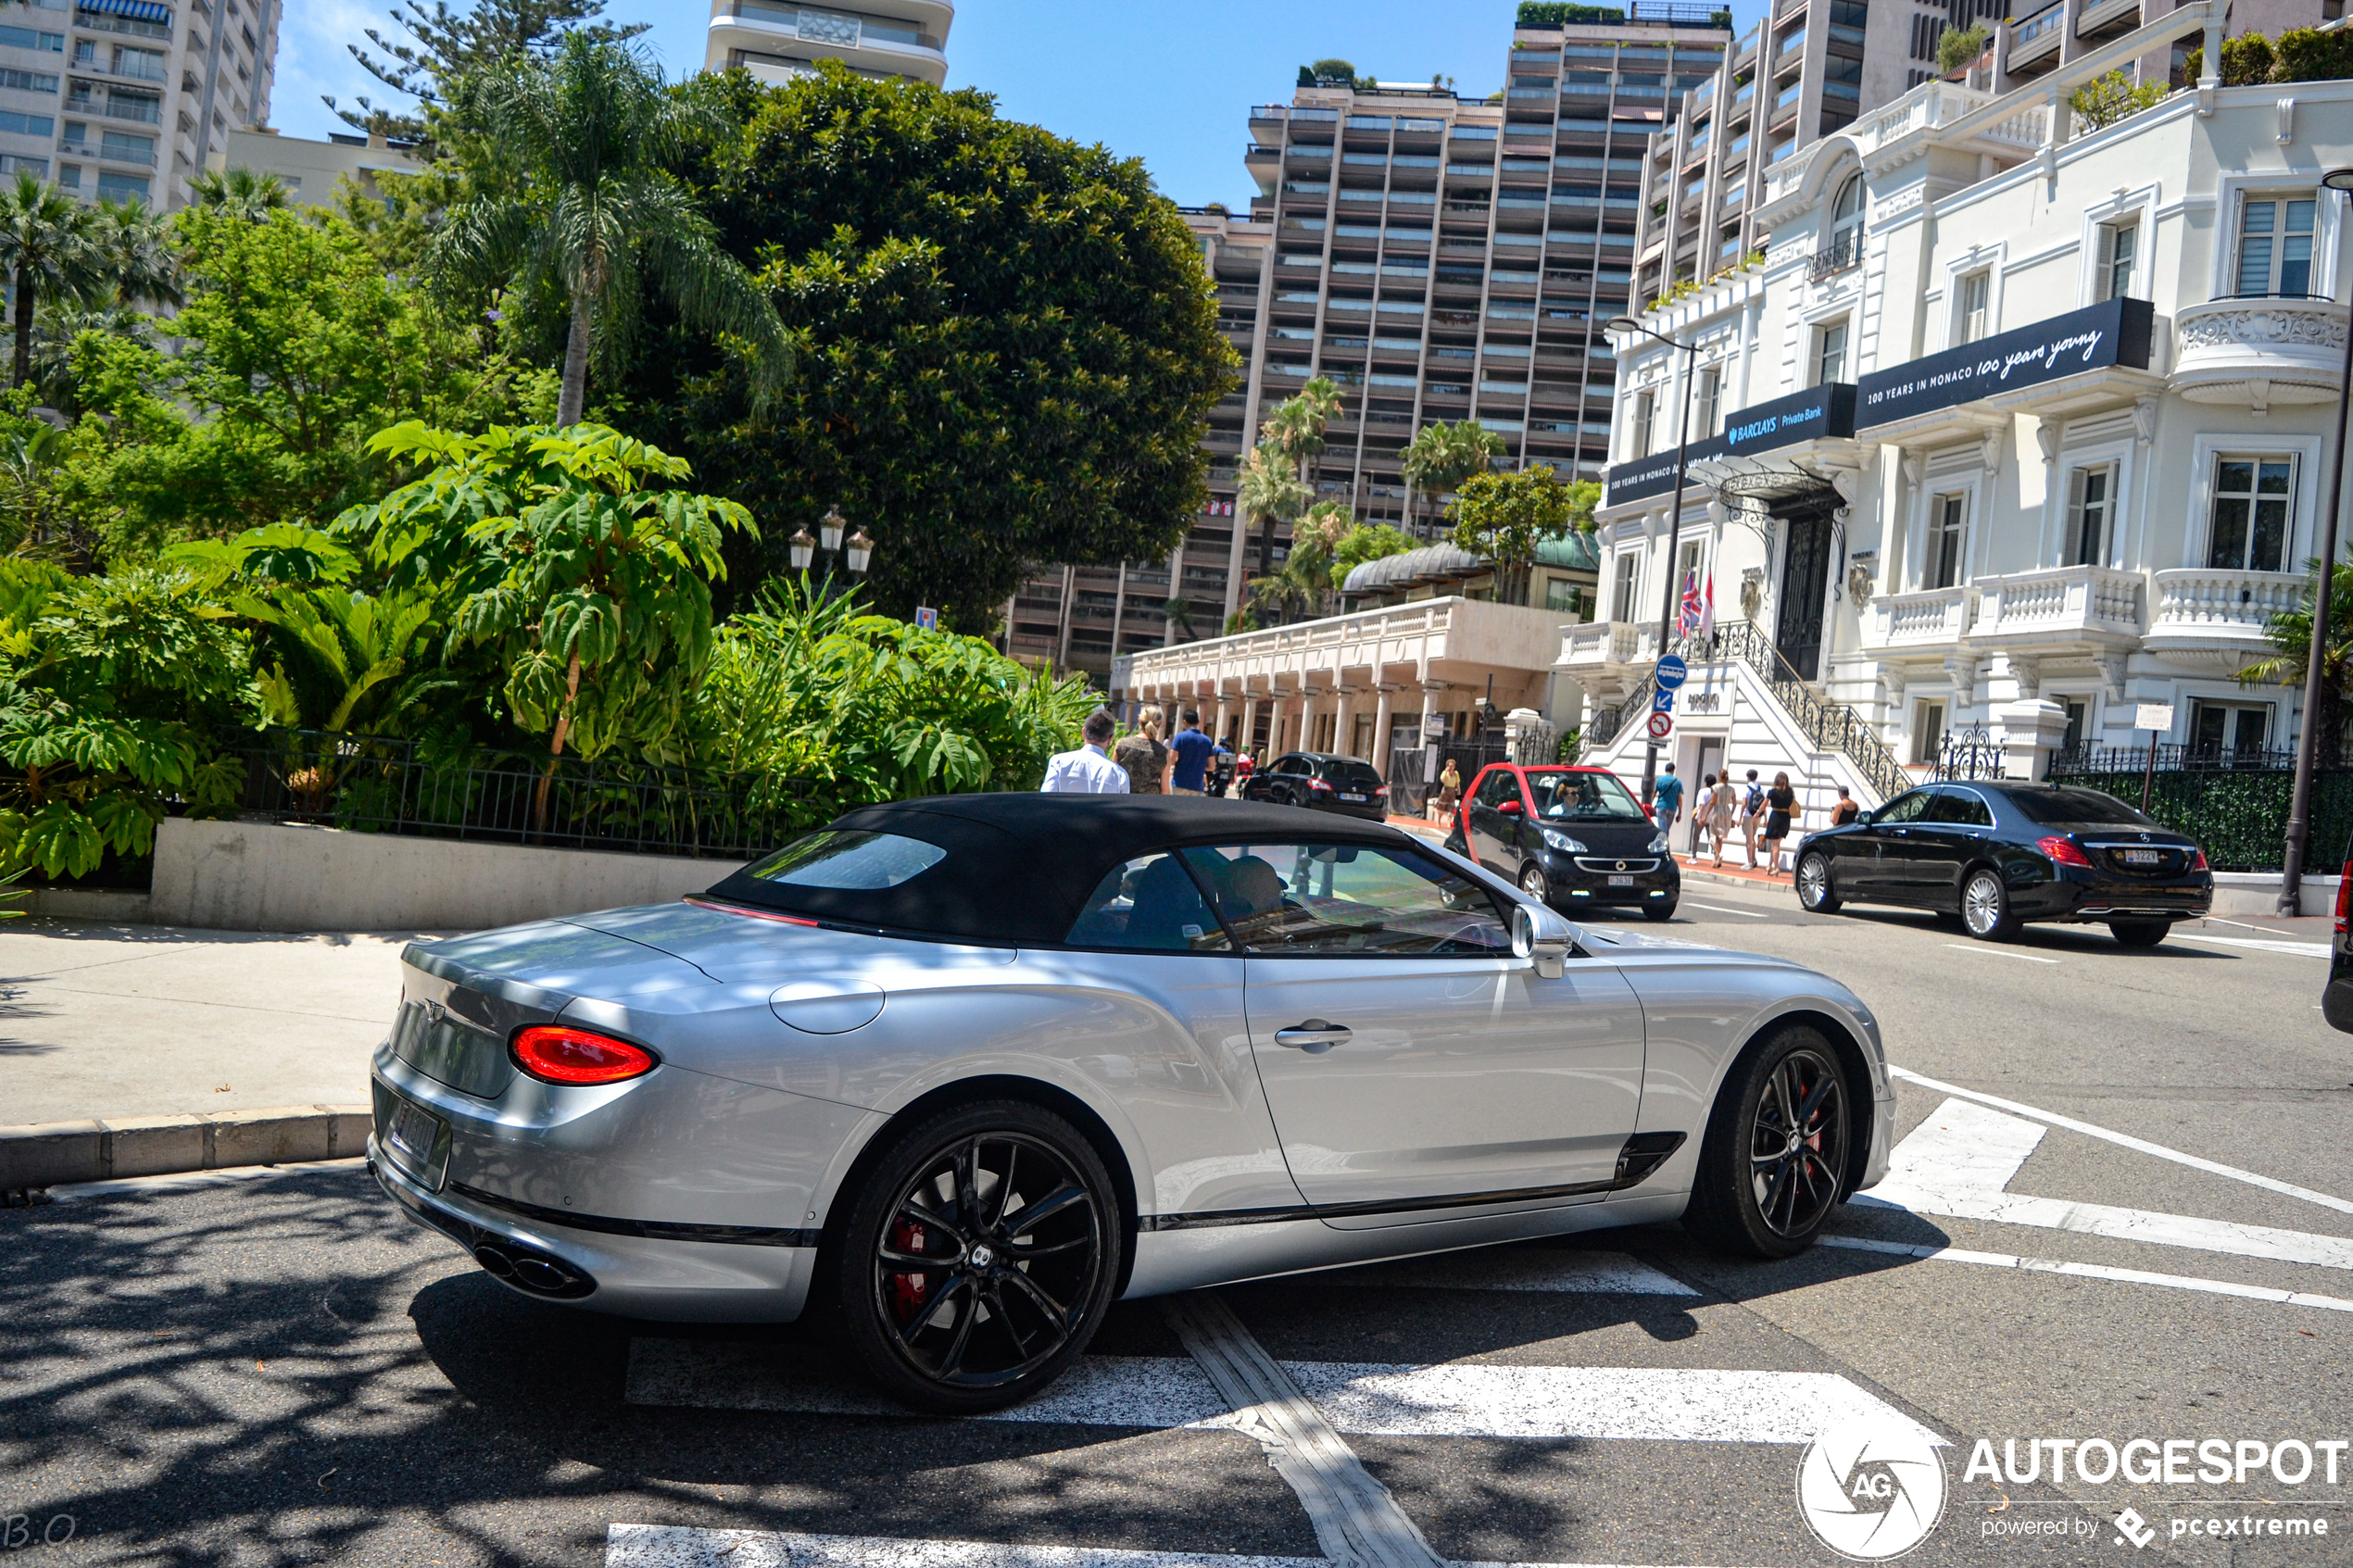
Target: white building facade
pixel 2020 427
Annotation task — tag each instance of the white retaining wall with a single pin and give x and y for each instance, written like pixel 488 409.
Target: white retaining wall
pixel 261 876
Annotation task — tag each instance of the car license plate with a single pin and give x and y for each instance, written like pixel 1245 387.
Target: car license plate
pixel 412 1139
pixel 1621 882
pixel 2142 857
pixel 1356 797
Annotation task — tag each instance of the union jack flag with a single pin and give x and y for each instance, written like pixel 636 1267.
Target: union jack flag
pixel 1688 617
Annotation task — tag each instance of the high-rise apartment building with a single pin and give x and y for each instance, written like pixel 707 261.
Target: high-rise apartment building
pixel 1439 258
pixel 776 41
pixel 122 98
pixel 1806 71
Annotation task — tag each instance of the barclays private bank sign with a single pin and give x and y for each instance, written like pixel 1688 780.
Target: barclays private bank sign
pixel 1827 410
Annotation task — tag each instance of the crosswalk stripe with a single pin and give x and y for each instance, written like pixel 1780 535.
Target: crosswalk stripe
pixel 2294 949
pixel 676 1546
pixel 1461 1399
pixel 2092 1270
pixel 1597 1273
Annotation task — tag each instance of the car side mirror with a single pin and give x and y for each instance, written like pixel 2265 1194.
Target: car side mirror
pixel 1508 809
pixel 1543 937
pixel 1863 820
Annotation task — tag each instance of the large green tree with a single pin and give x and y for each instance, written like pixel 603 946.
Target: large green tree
pixel 1442 456
pixel 432 52
pixel 47 251
pixel 1504 516
pixel 1008 347
pixel 598 220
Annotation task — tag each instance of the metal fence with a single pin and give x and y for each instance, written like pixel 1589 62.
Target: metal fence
pixel 374 783
pixel 1414 769
pixel 1970 754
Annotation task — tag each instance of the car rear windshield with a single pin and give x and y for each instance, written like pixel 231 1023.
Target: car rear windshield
pixel 863 860
pixel 2053 807
pixel 1567 797
pixel 1348 773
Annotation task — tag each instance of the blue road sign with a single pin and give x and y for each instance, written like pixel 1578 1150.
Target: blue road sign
pixel 1672 671
pixel 927 618
pixel 1663 702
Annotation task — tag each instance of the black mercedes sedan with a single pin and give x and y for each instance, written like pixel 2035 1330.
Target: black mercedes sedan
pixel 1574 837
pixel 1321 782
pixel 2000 854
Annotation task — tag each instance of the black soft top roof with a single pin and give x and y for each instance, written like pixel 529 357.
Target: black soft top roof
pixel 1019 867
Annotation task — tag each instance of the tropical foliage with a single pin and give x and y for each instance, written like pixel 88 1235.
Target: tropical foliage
pixel 1442 455
pixel 2105 100
pixel 2290 635
pixel 1503 517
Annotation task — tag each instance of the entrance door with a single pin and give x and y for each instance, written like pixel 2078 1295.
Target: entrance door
pixel 1806 580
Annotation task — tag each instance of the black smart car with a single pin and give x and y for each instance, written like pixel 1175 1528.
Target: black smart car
pixel 1999 855
pixel 1324 783
pixel 1574 837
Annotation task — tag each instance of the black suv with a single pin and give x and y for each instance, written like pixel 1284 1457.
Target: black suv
pixel 1998 855
pixel 1321 782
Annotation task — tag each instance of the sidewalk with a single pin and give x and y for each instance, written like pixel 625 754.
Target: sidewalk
pixel 120 1020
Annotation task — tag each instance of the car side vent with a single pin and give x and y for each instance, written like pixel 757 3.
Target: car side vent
pixel 1643 1153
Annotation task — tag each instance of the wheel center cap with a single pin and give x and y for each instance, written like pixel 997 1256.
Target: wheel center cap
pixel 983 1257
pixel 1791 1147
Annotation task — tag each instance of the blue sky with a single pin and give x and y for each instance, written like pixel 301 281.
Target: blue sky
pixel 1170 83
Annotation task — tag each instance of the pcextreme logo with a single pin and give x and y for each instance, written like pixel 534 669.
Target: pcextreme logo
pixel 1871 1496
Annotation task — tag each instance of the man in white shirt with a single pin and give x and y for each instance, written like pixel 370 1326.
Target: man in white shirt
pixel 1089 769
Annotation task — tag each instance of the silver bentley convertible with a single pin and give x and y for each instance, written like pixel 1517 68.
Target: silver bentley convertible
pixel 955 1073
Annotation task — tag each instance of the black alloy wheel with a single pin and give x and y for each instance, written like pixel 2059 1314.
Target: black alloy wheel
pixel 1535 883
pixel 2139 933
pixel 1814 894
pixel 979 1259
pixel 1775 1163
pixel 1985 906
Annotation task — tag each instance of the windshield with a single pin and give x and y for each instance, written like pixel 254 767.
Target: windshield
pixel 1585 797
pixel 867 862
pixel 2048 807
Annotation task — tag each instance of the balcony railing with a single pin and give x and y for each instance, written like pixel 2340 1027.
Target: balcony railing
pixel 1843 254
pixel 2065 602
pixel 1931 617
pixel 2215 605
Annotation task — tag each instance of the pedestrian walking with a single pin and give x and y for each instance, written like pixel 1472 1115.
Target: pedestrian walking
pixel 1845 811
pixel 1450 790
pixel 1752 816
pixel 1145 755
pixel 1667 801
pixel 1700 805
pixel 1189 775
pixel 1089 769
pixel 1781 808
pixel 1723 806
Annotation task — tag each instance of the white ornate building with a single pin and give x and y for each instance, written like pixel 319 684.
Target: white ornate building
pixel 2021 426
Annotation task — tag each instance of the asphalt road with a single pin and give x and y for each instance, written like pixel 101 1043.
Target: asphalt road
pixel 277 1370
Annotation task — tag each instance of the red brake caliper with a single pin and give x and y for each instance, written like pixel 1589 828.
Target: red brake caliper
pixel 907 1290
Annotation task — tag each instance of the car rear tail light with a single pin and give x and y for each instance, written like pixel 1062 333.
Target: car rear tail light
pixel 1381 791
pixel 2198 860
pixel 2064 852
pixel 555 1054
pixel 1318 784
pixel 2344 893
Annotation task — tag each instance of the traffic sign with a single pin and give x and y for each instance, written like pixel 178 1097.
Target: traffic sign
pixel 927 618
pixel 1672 671
pixel 1663 702
pixel 1662 724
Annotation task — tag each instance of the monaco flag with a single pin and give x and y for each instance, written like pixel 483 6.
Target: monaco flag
pixel 1708 610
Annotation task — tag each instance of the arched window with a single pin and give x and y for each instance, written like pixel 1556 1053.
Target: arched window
pixel 1846 221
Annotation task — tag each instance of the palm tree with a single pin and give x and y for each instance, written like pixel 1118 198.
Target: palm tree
pixel 1295 430
pixel 1269 490
pixel 1442 456
pixel 599 216
pixel 135 244
pixel 46 254
pixel 2291 635
pixel 240 193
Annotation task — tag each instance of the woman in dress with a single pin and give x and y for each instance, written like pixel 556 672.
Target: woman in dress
pixel 1723 804
pixel 1450 790
pixel 1780 809
pixel 1145 755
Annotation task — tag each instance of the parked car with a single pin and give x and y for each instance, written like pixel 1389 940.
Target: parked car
pixel 961 1070
pixel 1571 837
pixel 2336 999
pixel 1999 855
pixel 1324 783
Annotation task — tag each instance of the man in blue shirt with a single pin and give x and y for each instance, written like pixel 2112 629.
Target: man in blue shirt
pixel 1189 776
pixel 1667 799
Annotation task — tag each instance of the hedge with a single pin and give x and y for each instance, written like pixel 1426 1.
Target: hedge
pixel 2239 817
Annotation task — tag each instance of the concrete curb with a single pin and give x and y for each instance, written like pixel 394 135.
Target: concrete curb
pixel 45 1154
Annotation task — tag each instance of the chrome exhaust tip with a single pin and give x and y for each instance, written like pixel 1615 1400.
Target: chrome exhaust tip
pixel 532 1270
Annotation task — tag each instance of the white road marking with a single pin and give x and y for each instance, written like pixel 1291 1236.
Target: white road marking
pixel 1957 1161
pixel 2297 949
pixel 1357 1521
pixel 1598 1273
pixel 1454 1400
pixel 2125 1140
pixel 677 1545
pixel 2243 926
pixel 1721 909
pixel 1995 952
pixel 2092 1271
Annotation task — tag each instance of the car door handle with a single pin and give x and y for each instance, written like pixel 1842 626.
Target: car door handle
pixel 1314 1037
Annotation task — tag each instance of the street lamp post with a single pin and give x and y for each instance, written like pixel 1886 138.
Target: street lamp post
pixel 857 552
pixel 2300 811
pixel 1674 515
